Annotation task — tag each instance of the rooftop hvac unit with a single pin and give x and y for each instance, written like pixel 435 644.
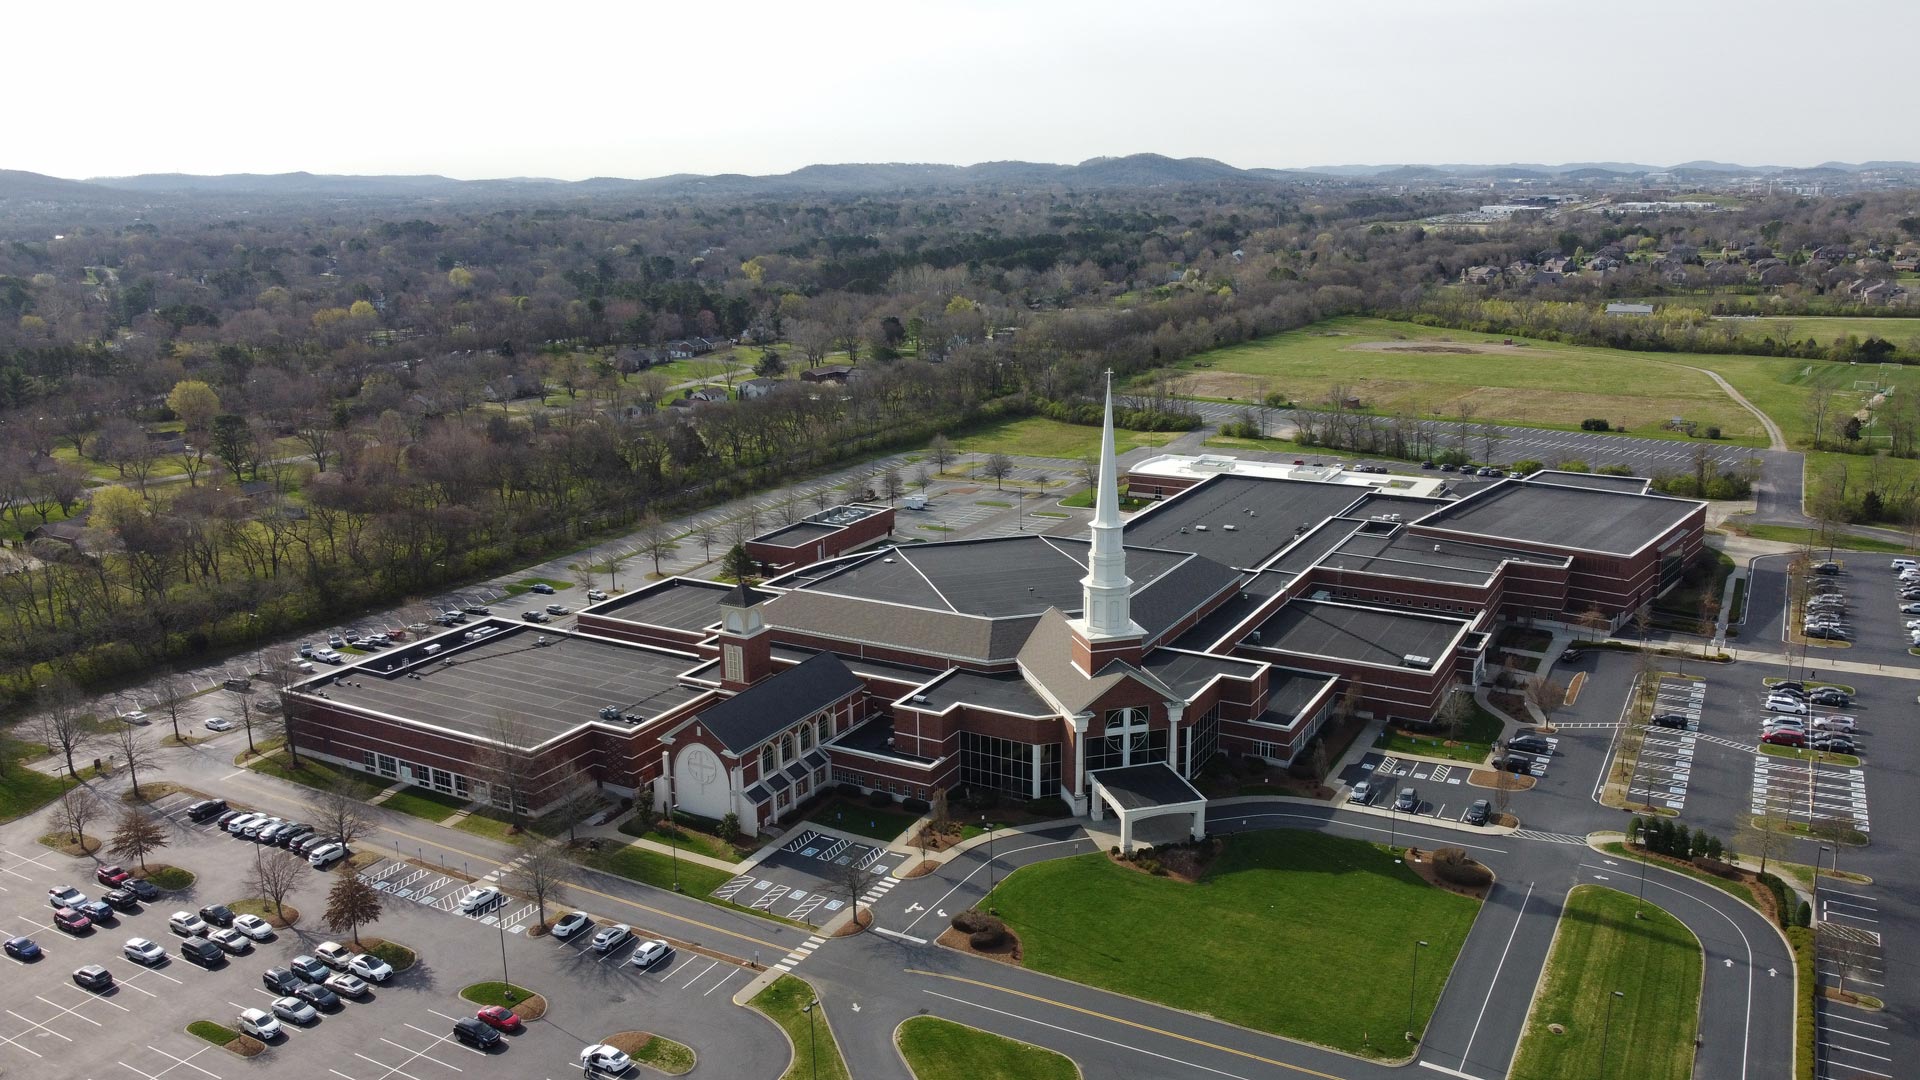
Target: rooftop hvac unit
pixel 1254 637
pixel 918 699
pixel 1230 528
pixel 1411 660
pixel 1199 528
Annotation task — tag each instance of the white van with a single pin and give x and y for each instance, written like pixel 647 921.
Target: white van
pixel 1904 564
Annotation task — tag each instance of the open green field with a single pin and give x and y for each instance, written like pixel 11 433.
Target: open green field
pixel 938 1049
pixel 1824 329
pixel 1654 962
pixel 1273 902
pixel 1841 542
pixel 1394 366
pixel 1041 437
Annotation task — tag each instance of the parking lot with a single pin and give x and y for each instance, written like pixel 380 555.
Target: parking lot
pixel 1664 765
pixel 1444 794
pixel 806 880
pixel 400 1031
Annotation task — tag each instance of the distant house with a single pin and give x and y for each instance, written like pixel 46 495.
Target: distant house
pixel 1559 264
pixel 1778 274
pixel 1603 263
pixel 1907 265
pixel 1480 275
pixel 1547 277
pixel 1629 309
pixel 759 388
pixel 71 532
pixel 628 361
pixel 679 350
pixel 1832 253
pixel 1880 292
pixel 830 373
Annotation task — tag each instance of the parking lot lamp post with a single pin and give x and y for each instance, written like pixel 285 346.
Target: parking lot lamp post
pixel 1413 986
pixel 505 981
pixel 813 1046
pixel 988 825
pixel 1606 1032
pixel 672 809
pixel 1640 840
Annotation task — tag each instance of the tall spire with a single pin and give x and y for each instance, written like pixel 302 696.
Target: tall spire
pixel 1106 591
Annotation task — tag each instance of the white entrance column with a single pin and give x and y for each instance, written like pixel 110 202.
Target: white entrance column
pixel 1174 711
pixel 1200 823
pixel 1081 721
pixel 1126 833
pixel 1039 758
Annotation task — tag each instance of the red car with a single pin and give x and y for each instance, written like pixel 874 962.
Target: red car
pixel 1785 737
pixel 70 920
pixel 111 876
pixel 499 1017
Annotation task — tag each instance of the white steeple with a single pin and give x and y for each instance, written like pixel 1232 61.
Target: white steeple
pixel 1106 590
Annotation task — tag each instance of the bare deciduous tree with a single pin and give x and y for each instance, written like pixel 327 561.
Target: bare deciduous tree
pixel 540 875
pixel 137 836
pixel 275 874
pixel 136 751
pixel 63 724
pixel 501 762
pixel 351 904
pixel 172 691
pixel 997 467
pixel 76 810
pixel 338 811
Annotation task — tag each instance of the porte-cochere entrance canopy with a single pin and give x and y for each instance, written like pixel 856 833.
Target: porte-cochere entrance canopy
pixel 1138 792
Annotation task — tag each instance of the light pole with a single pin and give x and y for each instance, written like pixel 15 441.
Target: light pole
pixel 1640 839
pixel 988 825
pixel 1607 1032
pixel 508 992
pixel 813 1046
pixel 1413 986
pixel 672 842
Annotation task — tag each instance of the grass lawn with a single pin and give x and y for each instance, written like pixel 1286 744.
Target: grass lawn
pixel 1085 496
pixel 656 868
pixel 170 877
pixel 781 1003
pixel 424 803
pixel 1273 901
pixel 281 917
pixel 688 839
pixel 397 956
pixel 1474 744
pixel 938 1049
pixel 1534 383
pixel 22 791
pixel 1654 962
pixel 1040 437
pixel 1796 753
pixel 863 820
pixel 316 774
pixel 672 1058
pixel 1841 541
pixel 525 585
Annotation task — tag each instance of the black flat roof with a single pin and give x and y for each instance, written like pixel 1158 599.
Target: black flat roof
pixel 1612 522
pixel 1004 693
pixel 676 603
pixel 797 533
pixel 1596 481
pixel 1137 787
pixel 1354 632
pixel 546 691
pixel 1186 672
pixel 1289 692
pixel 1426 558
pixel 1246 518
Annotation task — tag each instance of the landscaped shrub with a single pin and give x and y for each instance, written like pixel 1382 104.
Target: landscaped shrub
pixel 1805 915
pixel 851 791
pixel 1715 867
pixel 991 938
pixel 969 921
pixel 879 799
pixel 916 806
pixel 1454 866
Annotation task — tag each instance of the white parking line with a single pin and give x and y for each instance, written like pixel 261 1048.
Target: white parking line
pixel 701 975
pixel 179 1061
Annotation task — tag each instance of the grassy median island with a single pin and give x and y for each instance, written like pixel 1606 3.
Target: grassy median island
pixel 784 1003
pixel 1654 961
pixel 938 1049
pixel 1271 903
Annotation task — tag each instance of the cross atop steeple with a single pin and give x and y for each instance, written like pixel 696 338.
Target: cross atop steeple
pixel 1106 591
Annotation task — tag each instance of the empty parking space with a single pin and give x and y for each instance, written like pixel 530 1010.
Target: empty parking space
pixel 1664 765
pixel 441 892
pixel 1807 792
pixel 1853 1044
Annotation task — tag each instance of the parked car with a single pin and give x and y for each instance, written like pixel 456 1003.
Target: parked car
pixel 279 980
pixel 1407 801
pixel 474 1033
pixel 23 948
pixel 318 996
pixel 136 717
pixel 1838 744
pixel 309 968
pixel 254 927
pixel 498 1017
pixel 371 968
pixel 611 937
pixel 603 1060
pixel 334 955
pixel 558 609
pixel 71 920
pixel 1779 721
pixel 650 952
pixel 479 609
pixel 122 899
pixel 1785 737
pixel 1834 722
pixel 478 900
pixel 93 977
pixel 1831 697
pixel 97 911
pixel 111 876
pixel 206 809
pixel 294 1011
pixel 326 855
pixel 536 616
pixel 1362 792
pixel 1479 812
pixel 141 951
pixel 596 595
pixel 542 588
pixel 217 914
pixel 346 985
pixel 231 941
pixel 1782 704
pixel 65 896
pixel 571 924
pixel 1671 719
pixel 1530 744
pixel 260 1024
pixel 204 951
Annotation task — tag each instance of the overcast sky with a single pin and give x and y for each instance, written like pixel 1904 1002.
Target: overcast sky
pixel 643 88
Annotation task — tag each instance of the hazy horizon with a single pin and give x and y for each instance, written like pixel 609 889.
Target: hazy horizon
pixel 479 91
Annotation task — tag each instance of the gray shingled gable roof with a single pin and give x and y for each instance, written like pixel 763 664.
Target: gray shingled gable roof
pixel 1047 662
pixel 761 711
